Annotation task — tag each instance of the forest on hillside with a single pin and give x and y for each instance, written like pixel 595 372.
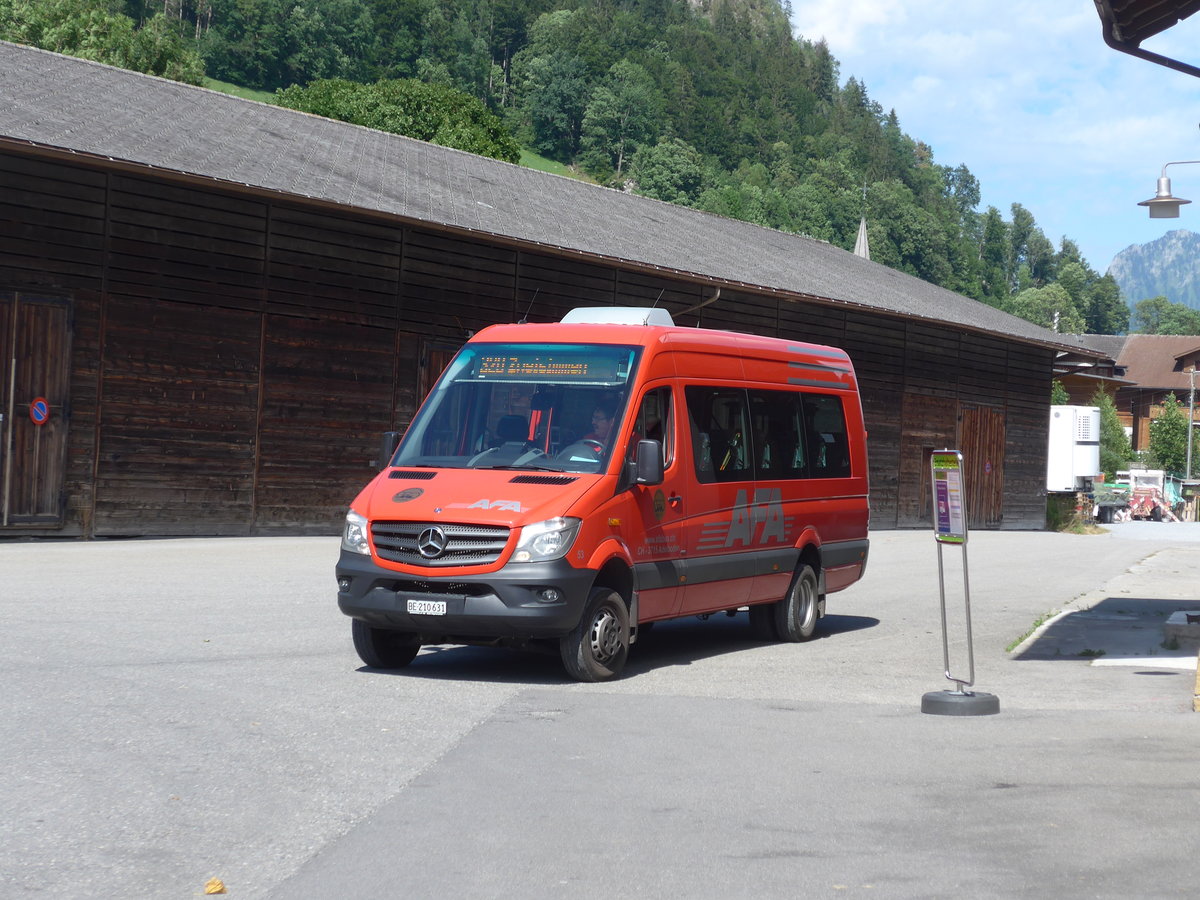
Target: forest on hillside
pixel 713 104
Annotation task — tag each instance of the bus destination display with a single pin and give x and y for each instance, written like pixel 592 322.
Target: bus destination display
pixel 548 367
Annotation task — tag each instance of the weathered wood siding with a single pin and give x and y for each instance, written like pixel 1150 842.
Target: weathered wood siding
pixel 235 356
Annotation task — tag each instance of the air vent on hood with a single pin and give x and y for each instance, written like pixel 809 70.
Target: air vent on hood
pixel 414 476
pixel 542 479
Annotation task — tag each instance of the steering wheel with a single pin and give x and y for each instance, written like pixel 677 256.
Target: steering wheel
pixel 590 446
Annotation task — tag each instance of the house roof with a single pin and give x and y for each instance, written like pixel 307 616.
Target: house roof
pixel 1150 360
pixel 61 105
pixel 1108 344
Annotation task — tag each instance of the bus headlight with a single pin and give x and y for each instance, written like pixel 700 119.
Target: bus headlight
pixel 546 540
pixel 354 535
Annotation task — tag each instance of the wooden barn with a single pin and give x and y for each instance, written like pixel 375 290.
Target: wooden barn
pixel 211 308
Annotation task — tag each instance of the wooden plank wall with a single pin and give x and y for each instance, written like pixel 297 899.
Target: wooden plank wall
pixel 236 357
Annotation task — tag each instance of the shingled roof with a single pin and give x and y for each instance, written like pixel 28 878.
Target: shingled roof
pixel 60 103
pixel 1153 361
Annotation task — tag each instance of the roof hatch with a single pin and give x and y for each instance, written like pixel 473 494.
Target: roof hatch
pixel 619 315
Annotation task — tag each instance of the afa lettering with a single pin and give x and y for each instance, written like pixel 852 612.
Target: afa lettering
pixel 506 505
pixel 757 523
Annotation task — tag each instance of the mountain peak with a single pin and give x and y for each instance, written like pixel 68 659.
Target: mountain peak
pixel 1166 267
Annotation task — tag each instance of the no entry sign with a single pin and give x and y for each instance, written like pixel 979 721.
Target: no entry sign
pixel 39 410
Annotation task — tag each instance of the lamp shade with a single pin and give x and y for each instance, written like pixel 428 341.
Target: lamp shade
pixel 1162 205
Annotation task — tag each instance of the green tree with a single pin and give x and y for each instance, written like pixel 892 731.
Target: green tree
pixel 1104 308
pixel 994 257
pixel 1115 450
pixel 1048 306
pixel 1169 435
pixel 670 170
pixel 1158 315
pixel 90 29
pixel 555 93
pixel 246 44
pixel 623 111
pixel 428 112
pixel 1029 248
pixel 1058 394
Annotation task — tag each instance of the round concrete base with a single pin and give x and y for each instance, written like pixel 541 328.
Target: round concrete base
pixel 955 703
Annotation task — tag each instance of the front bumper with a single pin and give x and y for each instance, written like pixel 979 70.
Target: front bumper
pixel 503 605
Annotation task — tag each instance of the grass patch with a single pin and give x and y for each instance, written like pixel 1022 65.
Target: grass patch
pixel 1092 654
pixel 1037 623
pixel 531 160
pixel 238 91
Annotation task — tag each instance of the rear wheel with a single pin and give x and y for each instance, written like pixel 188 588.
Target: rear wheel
pixel 796 614
pixel 597 647
pixel 380 648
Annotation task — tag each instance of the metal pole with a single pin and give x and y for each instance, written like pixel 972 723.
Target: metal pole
pixel 1191 416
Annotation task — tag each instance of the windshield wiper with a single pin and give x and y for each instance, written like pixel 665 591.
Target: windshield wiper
pixel 513 468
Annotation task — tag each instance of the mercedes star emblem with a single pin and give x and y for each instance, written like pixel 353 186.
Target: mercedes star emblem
pixel 432 542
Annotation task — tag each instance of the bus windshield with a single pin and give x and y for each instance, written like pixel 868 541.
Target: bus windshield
pixel 550 407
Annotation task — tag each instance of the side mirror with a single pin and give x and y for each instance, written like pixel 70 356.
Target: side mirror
pixel 387 448
pixel 648 467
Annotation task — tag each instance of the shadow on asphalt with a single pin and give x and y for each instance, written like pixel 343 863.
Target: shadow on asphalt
pixel 1114 628
pixel 679 642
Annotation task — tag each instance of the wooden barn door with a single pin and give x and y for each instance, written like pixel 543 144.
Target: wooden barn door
pixel 981 439
pixel 35 350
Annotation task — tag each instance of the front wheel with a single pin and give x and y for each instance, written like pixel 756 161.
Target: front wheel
pixel 796 614
pixel 597 647
pixel 380 648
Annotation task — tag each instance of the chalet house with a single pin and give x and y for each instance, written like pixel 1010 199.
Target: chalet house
pixel 1155 365
pixel 210 308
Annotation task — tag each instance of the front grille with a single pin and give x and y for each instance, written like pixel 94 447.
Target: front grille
pixel 466 545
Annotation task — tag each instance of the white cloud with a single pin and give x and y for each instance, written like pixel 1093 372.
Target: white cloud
pixel 1028 97
pixel 843 22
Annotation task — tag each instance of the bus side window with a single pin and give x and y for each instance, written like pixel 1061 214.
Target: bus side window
pixel 720 430
pixel 779 451
pixel 828 443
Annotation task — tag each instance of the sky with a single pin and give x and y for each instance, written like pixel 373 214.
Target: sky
pixel 1028 96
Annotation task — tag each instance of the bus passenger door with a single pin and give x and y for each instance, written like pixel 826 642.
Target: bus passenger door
pixel 720 514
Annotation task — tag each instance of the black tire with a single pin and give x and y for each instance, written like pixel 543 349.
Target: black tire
pixel 383 649
pixel 762 622
pixel 796 614
pixel 598 646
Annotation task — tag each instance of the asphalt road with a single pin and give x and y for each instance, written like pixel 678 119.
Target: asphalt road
pixel 186 709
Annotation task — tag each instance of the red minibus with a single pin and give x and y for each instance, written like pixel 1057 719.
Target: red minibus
pixel 566 483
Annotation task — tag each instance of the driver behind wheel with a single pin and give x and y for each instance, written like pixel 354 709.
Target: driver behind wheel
pixel 602 423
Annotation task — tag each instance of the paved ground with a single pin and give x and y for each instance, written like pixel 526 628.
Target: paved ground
pixel 179 710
